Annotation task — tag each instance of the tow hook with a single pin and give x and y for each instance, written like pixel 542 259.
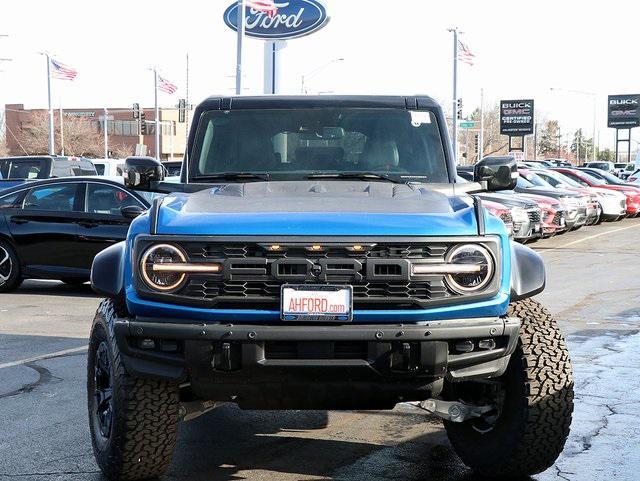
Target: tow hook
pixel 453 411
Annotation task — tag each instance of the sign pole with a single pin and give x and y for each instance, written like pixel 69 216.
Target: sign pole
pixel 241 27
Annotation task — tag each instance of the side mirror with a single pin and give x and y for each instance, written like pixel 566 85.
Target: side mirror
pixel 140 172
pixel 498 173
pixel 131 211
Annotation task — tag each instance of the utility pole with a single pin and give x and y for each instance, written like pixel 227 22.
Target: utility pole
pixel 240 29
pixel 157 119
pixel 454 129
pixel 106 135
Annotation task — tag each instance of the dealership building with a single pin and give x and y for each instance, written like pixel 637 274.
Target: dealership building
pixel 122 128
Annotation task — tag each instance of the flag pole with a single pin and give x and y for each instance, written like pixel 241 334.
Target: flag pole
pixel 157 120
pixel 454 129
pixel 51 132
pixel 481 136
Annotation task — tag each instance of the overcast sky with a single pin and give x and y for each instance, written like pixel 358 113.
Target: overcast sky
pixel 401 46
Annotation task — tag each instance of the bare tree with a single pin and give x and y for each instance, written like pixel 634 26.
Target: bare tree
pixel 122 151
pixel 81 136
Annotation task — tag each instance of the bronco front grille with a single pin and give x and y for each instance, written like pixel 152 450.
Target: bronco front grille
pixel 253 272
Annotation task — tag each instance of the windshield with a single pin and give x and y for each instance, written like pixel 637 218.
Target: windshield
pixel 556 179
pixel 591 178
pixel 536 180
pixel 598 165
pixel 608 178
pixel 19 168
pixel 524 183
pixel 292 144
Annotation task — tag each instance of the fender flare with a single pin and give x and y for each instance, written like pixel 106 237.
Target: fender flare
pixel 528 276
pixel 107 271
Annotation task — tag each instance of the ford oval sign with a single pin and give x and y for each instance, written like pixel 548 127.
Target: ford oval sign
pixel 273 20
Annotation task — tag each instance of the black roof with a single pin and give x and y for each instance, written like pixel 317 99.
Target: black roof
pixel 311 101
pixel 29 184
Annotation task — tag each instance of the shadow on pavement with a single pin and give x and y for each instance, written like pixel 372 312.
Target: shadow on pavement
pixel 54 288
pixel 229 444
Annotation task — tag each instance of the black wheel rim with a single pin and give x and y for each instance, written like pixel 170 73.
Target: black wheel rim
pixel 5 266
pixel 103 390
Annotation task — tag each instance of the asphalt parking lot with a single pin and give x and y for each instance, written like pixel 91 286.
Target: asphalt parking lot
pixel 593 289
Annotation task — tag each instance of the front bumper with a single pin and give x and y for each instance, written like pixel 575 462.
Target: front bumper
pixel 276 366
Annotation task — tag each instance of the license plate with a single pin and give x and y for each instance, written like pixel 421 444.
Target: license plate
pixel 316 303
pixel 537 228
pixel 562 222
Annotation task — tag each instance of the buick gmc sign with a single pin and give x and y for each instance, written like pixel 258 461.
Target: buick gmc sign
pixel 623 111
pixel 273 20
pixel 516 117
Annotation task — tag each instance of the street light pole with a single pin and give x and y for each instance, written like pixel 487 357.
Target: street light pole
pixel 481 134
pixel 594 97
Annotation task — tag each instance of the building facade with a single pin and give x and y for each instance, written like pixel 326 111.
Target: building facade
pixel 123 131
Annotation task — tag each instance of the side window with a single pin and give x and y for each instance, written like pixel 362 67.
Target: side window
pixel 57 198
pixel 9 201
pixel 61 168
pixel 100 168
pixel 106 199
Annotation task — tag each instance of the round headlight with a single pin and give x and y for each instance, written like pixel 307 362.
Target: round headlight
pixel 157 279
pixel 470 254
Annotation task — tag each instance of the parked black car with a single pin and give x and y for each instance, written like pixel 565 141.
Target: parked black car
pixel 52 229
pixel 17 170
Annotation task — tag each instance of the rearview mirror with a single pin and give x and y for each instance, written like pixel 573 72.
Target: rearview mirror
pixel 497 173
pixel 131 211
pixel 140 172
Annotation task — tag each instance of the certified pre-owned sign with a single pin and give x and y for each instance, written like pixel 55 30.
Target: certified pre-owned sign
pixel 623 111
pixel 516 117
pixel 273 20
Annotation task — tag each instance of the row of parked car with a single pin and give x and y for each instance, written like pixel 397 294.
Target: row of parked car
pixel 554 197
pixel 57 213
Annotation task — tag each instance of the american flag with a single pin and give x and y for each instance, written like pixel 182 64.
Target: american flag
pixel 165 86
pixel 267 6
pixel 464 54
pixel 62 71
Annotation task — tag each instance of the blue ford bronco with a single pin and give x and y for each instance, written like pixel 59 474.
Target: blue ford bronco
pixel 319 254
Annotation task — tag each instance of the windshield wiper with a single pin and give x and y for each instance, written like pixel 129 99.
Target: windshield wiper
pixel 231 176
pixel 356 175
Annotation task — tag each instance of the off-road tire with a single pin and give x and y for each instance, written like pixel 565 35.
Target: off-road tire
pixel 10 266
pixel 144 419
pixel 533 426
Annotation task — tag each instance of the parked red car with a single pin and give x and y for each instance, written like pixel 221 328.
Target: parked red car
pixel 502 212
pixel 632 193
pixel 553 214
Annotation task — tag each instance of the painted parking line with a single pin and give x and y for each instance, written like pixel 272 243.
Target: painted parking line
pixel 42 357
pixel 578 241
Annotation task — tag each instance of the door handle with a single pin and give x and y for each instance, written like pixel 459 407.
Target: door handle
pixel 88 224
pixel 19 221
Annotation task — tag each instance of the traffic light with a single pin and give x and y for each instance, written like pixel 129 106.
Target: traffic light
pixel 477 144
pixel 143 124
pixel 182 107
pixel 459 112
pixel 136 111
